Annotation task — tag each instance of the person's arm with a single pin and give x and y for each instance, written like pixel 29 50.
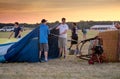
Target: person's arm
pixel 10 35
pixel 65 30
pixel 58 27
pixel 48 31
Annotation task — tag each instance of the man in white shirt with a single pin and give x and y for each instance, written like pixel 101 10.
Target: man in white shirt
pixel 62 41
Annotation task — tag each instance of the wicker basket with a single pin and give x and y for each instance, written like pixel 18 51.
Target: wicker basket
pixel 111 45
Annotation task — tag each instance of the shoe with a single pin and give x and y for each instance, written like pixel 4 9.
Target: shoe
pixel 68 48
pixel 46 60
pixel 60 56
pixel 64 56
pixel 39 60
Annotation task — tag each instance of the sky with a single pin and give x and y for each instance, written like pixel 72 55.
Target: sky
pixel 32 11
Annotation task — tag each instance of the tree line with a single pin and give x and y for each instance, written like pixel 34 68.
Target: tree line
pixel 80 25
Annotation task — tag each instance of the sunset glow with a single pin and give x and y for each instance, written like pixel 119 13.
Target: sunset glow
pixel 32 11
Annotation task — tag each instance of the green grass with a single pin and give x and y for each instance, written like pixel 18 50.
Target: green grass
pixel 4 37
pixel 69 68
pixel 5 40
pixel 6 34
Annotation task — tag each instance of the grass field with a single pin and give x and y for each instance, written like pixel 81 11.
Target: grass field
pixel 4 37
pixel 69 68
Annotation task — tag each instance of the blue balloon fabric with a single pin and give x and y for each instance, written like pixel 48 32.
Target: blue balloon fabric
pixel 27 49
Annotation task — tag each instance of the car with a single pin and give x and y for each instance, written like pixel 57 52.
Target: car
pixel 2 29
pixel 7 29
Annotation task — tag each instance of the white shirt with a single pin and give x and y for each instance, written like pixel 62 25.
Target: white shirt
pixel 62 28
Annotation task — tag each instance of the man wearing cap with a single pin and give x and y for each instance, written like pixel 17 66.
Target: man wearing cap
pixel 62 41
pixel 44 32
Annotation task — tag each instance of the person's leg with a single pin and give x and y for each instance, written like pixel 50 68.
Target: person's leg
pixel 60 47
pixel 84 36
pixel 65 47
pixel 41 49
pixel 71 46
pixel 46 51
pixel 40 55
pixel 60 51
pixel 71 42
pixel 46 56
pixel 98 58
pixel 64 52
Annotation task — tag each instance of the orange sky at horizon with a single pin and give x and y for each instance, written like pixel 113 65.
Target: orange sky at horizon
pixel 29 11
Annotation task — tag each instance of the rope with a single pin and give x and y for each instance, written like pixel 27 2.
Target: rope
pixel 54 27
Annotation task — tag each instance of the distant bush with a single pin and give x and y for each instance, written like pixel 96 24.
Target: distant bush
pixel 80 25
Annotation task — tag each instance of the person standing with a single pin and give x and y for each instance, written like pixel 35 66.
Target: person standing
pixel 44 32
pixel 117 25
pixel 84 31
pixel 62 41
pixel 17 31
pixel 74 36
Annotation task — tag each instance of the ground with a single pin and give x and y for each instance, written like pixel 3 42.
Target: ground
pixel 69 68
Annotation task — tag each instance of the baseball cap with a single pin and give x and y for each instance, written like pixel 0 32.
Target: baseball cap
pixel 43 20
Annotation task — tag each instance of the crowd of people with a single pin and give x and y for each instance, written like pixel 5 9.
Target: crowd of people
pixel 62 41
